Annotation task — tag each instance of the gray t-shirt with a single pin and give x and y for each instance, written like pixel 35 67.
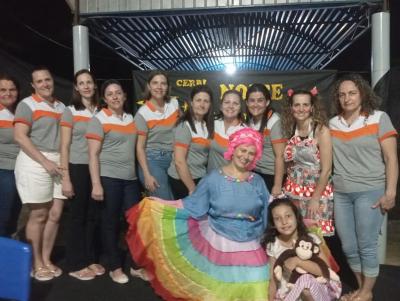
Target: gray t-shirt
pixel 357 154
pixel 219 144
pixel 118 137
pixel 157 126
pixel 8 147
pixel 272 134
pixel 197 145
pixel 78 121
pixel 43 119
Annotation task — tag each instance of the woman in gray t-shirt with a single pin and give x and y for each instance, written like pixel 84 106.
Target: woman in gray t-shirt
pixel 192 141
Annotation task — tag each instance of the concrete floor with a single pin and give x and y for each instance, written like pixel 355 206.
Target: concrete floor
pixel 393 243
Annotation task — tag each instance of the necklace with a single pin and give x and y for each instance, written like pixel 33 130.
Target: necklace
pixel 237 180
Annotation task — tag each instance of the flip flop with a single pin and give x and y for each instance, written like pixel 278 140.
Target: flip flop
pixel 54 269
pixel 84 274
pixel 98 269
pixel 42 274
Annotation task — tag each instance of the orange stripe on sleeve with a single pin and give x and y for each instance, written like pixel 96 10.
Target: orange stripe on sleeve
pixel 221 141
pixel 179 144
pixel 93 136
pixel 387 135
pixel 81 119
pixel 66 124
pixel 276 141
pixel 368 130
pixel 124 129
pixel 6 124
pixel 39 114
pixel 266 132
pixel 22 120
pixel 171 120
pixel 201 141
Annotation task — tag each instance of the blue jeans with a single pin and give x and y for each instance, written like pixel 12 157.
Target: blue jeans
pixel 119 196
pixel 358 227
pixel 158 162
pixel 10 204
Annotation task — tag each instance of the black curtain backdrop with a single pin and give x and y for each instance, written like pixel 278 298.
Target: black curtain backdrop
pixel 22 72
pixel 389 89
pixel 277 82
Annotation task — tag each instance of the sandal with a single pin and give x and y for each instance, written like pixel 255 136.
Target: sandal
pixel 141 273
pixel 121 278
pixel 42 274
pixel 349 296
pixel 54 269
pixel 98 269
pixel 84 274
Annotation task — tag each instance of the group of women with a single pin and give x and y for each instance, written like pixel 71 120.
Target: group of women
pixel 87 152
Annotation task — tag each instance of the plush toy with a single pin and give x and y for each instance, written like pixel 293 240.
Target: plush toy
pixel 305 249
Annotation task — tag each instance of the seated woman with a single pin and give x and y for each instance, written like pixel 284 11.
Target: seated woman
pixel 206 247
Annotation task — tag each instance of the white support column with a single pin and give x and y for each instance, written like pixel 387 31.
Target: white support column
pixel 81 47
pixel 380 64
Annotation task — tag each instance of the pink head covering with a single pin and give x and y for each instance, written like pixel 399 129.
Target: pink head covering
pixel 245 136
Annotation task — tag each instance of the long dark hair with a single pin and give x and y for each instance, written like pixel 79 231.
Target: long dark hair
pixel 369 100
pixel 241 115
pixel 103 90
pixel 318 115
pixel 76 99
pixel 12 79
pixel 271 232
pixel 188 115
pixel 147 94
pixel 268 111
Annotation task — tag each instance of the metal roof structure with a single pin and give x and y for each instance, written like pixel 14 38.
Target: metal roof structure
pixel 258 37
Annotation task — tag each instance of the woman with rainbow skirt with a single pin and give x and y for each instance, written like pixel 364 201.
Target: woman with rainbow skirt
pixel 207 245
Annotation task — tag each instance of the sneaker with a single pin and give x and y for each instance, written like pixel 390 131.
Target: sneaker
pixel 141 273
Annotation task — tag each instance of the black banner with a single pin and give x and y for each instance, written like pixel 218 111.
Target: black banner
pixel 277 82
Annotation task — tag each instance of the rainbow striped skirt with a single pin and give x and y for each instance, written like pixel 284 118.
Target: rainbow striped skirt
pixel 190 261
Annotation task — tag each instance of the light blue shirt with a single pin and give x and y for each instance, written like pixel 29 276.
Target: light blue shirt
pixel 236 210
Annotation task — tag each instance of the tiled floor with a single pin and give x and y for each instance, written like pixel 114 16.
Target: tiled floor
pixel 393 243
pixel 392 249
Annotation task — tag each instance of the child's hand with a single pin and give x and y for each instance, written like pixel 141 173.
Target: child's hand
pixel 291 263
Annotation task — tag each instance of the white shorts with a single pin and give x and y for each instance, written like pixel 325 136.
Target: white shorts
pixel 34 184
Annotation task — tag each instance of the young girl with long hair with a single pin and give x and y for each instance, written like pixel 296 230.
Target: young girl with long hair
pixel 285 226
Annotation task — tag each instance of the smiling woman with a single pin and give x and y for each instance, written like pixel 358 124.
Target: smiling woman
pixel 308 155
pixel 206 247
pixel 37 170
pixel 111 138
pixel 155 121
pixel 229 120
pixel 9 200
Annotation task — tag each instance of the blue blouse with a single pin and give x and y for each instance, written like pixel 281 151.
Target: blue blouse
pixel 236 210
